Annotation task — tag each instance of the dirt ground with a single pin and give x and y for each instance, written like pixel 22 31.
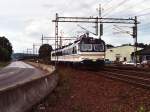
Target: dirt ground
pixel 83 91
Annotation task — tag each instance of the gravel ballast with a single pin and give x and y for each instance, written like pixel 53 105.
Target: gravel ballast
pixel 84 91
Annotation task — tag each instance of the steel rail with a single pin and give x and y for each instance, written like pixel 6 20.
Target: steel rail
pixel 128 71
pixel 130 81
pixel 135 80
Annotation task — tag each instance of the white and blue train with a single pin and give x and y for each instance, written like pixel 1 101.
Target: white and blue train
pixel 86 50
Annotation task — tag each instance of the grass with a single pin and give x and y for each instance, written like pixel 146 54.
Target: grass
pixel 3 64
pixel 142 109
pixel 77 108
pixel 60 92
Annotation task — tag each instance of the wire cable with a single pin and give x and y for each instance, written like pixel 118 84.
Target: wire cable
pixel 137 3
pixel 106 4
pixel 146 14
pixel 117 6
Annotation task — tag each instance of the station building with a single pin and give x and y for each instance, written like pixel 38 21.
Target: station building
pixel 120 53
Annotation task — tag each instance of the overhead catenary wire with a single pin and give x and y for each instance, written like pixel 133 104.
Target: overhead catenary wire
pixel 133 6
pixel 142 14
pixel 146 14
pixel 122 30
pixel 144 27
pixel 130 7
pixel 106 4
pixel 147 23
pixel 136 4
pixel 115 7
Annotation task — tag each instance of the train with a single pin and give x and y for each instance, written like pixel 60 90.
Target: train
pixel 85 50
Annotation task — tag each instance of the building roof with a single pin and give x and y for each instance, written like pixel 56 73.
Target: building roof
pixel 145 51
pixel 127 45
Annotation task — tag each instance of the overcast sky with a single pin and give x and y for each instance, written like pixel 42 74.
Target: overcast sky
pixel 24 21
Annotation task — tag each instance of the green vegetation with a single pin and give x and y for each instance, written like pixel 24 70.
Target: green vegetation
pixel 3 64
pixel 61 92
pixel 5 49
pixel 141 45
pixel 77 108
pixel 141 109
pixel 109 46
pixel 45 52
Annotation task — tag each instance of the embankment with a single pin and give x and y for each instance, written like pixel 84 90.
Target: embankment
pixel 24 96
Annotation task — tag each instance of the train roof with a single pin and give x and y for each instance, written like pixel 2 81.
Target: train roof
pixel 82 39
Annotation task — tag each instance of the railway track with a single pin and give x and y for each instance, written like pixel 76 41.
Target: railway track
pixel 138 78
pixel 133 76
pixel 131 72
pixel 128 68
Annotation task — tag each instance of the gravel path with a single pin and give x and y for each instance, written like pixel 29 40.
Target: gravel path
pixel 82 91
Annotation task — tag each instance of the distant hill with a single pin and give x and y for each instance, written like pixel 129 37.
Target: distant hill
pixel 21 56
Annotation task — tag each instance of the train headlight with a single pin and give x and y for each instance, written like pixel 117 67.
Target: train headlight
pixel 94 60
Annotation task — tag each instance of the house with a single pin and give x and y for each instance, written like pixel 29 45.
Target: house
pixel 120 53
pixel 143 54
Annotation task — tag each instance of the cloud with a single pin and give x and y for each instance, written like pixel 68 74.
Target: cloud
pixel 48 5
pixel 23 22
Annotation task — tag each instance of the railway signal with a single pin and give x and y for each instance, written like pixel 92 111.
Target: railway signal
pixel 101 30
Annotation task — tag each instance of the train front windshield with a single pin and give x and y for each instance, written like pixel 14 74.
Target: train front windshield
pixel 91 47
pixel 86 47
pixel 98 47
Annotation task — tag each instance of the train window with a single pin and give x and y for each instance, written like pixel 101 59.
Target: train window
pixel 67 51
pixel 54 54
pixel 70 50
pixel 59 53
pixel 86 47
pixel 98 47
pixel 63 52
pixel 147 57
pixel 74 51
pixel 125 59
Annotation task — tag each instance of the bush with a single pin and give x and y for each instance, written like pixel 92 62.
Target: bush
pixel 4 54
pixel 5 49
pixel 45 51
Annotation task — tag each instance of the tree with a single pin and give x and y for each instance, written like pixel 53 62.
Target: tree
pixel 45 51
pixel 5 49
pixel 142 45
pixel 126 44
pixel 4 54
pixel 109 46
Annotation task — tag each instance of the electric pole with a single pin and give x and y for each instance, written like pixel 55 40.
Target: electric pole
pixel 33 49
pixel 134 36
pixel 96 26
pixel 60 41
pixel 101 25
pixel 97 20
pixel 135 40
pixel 42 39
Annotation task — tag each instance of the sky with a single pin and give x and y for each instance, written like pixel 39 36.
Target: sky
pixel 24 21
